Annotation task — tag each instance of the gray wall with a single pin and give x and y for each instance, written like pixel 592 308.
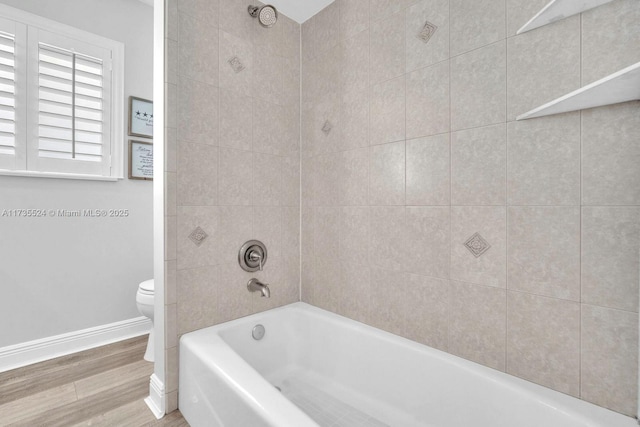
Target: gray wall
pixel 424 152
pixel 233 165
pixel 60 275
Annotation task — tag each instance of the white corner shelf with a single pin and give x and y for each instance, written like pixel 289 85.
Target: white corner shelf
pixel 621 86
pixel 559 9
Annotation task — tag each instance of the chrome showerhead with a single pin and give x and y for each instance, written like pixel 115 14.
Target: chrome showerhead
pixel 267 14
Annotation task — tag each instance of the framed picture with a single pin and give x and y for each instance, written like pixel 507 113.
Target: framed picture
pixel 140 117
pixel 140 160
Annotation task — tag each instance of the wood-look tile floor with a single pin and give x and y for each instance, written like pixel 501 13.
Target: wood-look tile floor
pixel 104 386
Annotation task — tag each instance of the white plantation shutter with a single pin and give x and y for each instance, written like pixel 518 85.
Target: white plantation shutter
pixel 61 99
pixel 12 93
pixel 71 106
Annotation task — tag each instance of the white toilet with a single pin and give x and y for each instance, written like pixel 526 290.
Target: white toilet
pixel 144 301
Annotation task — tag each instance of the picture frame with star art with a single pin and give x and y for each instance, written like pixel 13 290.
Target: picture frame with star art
pixel 140 117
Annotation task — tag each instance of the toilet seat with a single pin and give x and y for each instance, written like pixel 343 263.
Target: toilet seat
pixel 147 286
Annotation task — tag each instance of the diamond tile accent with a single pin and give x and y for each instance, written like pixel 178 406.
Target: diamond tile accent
pixel 236 64
pixel 197 236
pixel 326 128
pixel 427 31
pixel 477 245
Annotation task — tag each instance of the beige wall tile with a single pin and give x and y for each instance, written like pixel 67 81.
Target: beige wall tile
pixel 428 97
pixel 235 299
pixel 420 54
pixel 267 227
pixel 172 362
pixel 544 251
pixel 197 112
pixel 354 177
pixel 327 232
pixel 476 24
pixel 171 105
pixel 354 17
pixel 387 47
pixel 354 235
pixel 236 227
pixel 209 10
pixel 268 40
pixel 267 180
pixel 240 81
pixel 291 83
pixel 190 254
pixel 478 166
pixel 235 20
pixel 610 358
pixel 387 112
pixel 539 68
pixel 197 49
pixel 381 9
pixel 543 341
pixel 197 298
pixel 236 119
pixel 172 19
pixel 544 161
pixel 171 61
pixel 327 171
pixel 355 285
pixel 170 238
pixel 488 268
pixel 428 170
pixel 170 274
pixel 268 128
pixel 427 241
pixel 605 52
pixel 477 325
pixel 519 12
pixel 386 245
pixel 478 92
pixel 170 325
pixel 170 188
pixel 427 310
pixel 387 174
pixel 171 150
pixel 235 183
pixel 354 63
pixel 611 256
pixel 387 311
pixel 197 174
pixel 355 120
pixel 610 155
pixel 290 181
pixel 290 37
pixel 322 32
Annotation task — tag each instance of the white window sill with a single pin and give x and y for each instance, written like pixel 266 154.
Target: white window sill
pixel 55 175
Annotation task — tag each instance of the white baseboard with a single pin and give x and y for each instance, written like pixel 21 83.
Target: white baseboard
pixel 23 354
pixel 156 399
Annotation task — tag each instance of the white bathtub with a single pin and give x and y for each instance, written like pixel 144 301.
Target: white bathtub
pixel 333 371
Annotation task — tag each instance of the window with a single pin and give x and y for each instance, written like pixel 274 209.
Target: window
pixel 60 99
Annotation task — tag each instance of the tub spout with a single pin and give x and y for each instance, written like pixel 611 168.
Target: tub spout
pixel 254 285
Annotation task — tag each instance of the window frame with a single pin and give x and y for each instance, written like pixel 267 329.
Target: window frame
pixel 33 24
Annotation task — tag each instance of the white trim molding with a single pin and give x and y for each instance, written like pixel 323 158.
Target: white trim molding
pixel 157 397
pixel 18 355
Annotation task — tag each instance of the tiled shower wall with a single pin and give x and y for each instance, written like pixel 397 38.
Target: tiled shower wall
pixel 428 211
pixel 232 165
